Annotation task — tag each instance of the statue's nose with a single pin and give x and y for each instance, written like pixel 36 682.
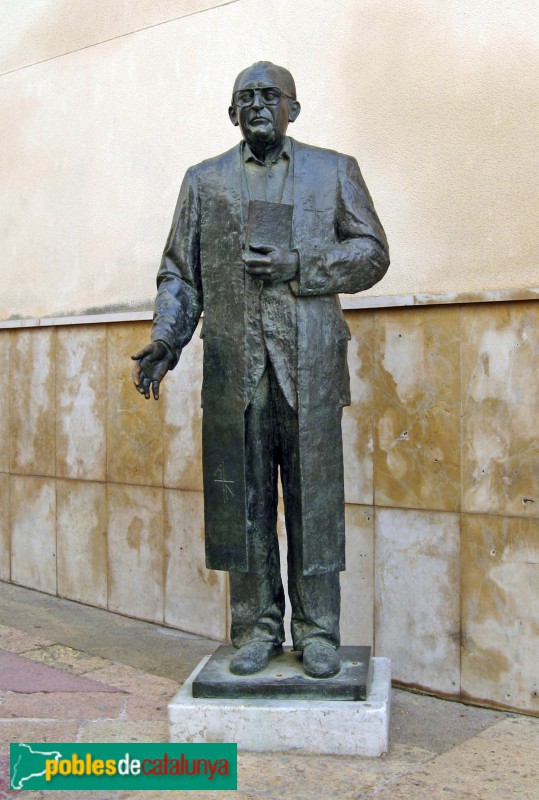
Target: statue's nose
pixel 257 99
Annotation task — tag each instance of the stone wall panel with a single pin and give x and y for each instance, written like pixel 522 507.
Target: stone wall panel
pixel 135 551
pixel 182 420
pixel 417 408
pixel 32 410
pixel 134 424
pixel 5 341
pixel 82 541
pixel 81 402
pixel 5 533
pixel 357 423
pixel 195 597
pixel 500 403
pixel 33 532
pixel 417 609
pixel 500 610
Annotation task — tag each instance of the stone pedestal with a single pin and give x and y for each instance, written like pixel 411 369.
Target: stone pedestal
pixel 329 727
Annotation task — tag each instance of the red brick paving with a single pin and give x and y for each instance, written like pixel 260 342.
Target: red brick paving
pixel 21 674
pixel 39 702
pixel 4 775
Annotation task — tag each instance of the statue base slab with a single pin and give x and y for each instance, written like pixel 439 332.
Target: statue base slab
pixel 285 724
pixel 284 677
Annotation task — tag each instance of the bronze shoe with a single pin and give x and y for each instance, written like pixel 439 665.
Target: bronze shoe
pixel 253 657
pixel 320 660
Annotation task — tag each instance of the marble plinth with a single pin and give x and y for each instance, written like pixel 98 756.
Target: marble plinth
pixel 329 727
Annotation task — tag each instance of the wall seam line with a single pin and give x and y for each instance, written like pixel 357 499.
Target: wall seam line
pixel 55 351
pixel 461 497
pixel 383 303
pixel 113 38
pixel 10 480
pixel 373 495
pixel 380 506
pixel 106 465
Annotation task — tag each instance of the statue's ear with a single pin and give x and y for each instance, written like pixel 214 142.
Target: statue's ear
pixel 293 110
pixel 233 114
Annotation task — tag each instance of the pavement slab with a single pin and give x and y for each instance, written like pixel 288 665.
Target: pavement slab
pixel 67 658
pixel 517 731
pixel 475 770
pixel 140 708
pixel 153 648
pixel 415 719
pixel 438 749
pixel 309 777
pixel 4 775
pixel 124 731
pixel 63 705
pixel 135 681
pixel 36 730
pixel 19 642
pixel 23 674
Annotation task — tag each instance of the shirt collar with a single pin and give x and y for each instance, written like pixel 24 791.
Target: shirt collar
pixel 286 150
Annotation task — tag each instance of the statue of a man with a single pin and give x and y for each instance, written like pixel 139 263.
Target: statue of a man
pixel 267 275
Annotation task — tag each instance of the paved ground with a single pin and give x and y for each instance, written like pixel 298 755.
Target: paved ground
pixel 72 673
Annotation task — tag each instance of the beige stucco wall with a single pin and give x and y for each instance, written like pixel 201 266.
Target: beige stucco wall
pixel 103 106
pixel 37 30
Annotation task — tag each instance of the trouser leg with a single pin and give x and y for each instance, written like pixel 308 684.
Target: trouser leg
pixel 257 597
pixel 315 599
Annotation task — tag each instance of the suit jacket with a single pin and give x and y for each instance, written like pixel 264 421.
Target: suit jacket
pixel 342 248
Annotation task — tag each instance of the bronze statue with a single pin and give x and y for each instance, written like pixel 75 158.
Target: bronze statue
pixel 263 239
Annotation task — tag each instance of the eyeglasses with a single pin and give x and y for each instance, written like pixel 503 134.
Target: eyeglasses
pixel 270 96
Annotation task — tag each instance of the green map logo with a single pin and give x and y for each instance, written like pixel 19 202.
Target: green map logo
pixel 38 766
pixel 27 762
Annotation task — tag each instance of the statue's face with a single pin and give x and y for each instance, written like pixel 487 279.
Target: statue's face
pixel 261 122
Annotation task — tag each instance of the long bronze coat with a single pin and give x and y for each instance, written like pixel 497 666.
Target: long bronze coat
pixel 342 248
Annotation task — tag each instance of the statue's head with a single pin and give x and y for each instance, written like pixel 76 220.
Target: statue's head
pixel 264 102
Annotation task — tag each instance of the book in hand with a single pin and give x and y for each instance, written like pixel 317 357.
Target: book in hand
pixel 269 224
